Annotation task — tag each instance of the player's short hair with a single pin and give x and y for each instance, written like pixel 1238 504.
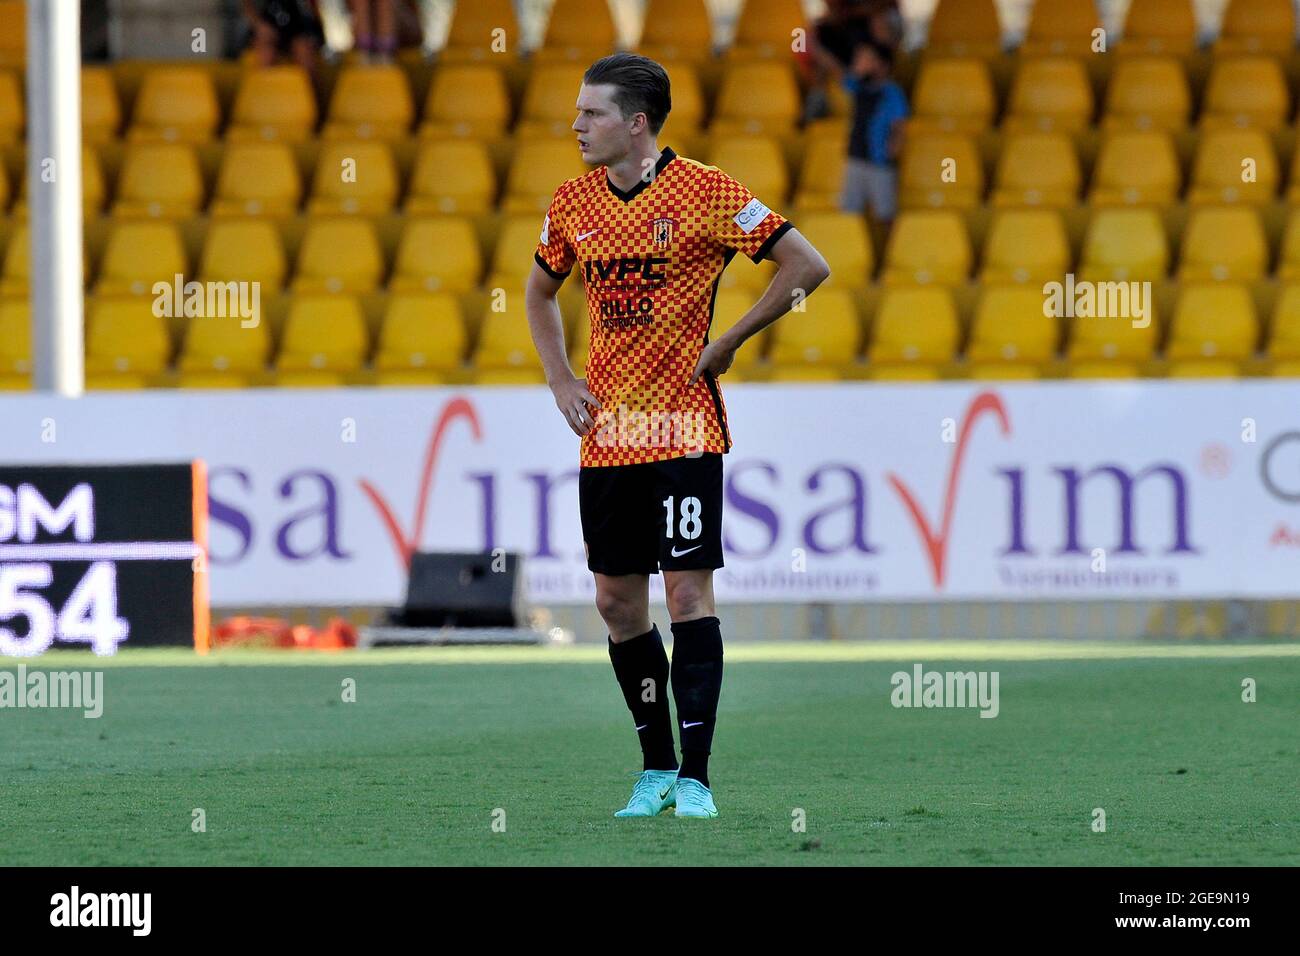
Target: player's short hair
pixel 641 86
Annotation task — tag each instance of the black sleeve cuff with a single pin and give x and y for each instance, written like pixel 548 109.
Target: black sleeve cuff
pixel 771 241
pixel 558 276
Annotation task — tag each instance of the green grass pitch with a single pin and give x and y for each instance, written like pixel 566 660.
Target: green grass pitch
pixel 440 740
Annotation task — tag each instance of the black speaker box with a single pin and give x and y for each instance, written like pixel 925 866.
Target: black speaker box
pixel 463 590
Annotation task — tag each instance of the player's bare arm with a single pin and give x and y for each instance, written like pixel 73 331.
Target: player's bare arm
pixel 573 399
pixel 800 270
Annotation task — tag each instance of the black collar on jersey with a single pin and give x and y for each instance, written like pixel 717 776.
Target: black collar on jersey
pixel 666 157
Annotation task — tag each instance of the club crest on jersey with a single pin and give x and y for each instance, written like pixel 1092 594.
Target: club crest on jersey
pixel 663 231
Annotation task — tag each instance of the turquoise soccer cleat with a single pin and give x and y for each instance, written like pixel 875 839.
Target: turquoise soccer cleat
pixel 655 792
pixel 694 799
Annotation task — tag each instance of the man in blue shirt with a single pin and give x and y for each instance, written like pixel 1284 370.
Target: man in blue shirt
pixel 876 137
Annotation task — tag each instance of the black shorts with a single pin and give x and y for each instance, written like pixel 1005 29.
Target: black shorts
pixel 638 519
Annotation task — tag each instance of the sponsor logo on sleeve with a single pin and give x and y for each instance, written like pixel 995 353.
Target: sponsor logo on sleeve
pixel 749 217
pixel 546 230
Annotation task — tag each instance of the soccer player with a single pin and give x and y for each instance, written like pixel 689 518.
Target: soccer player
pixel 650 233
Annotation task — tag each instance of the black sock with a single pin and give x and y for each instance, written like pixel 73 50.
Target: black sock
pixel 641 666
pixel 697 682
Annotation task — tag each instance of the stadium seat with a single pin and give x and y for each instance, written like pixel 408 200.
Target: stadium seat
pixel 914 325
pixel 1051 94
pixel 1037 169
pixel 953 95
pixel 1109 338
pixel 755 161
pixel 15 276
pixel 257 179
pixel 138 254
pixel 1060 28
pixel 549 102
pixel 13 34
pixel 940 170
pixel 1219 173
pixel 927 246
pixel 1213 321
pixel 244 250
pixel 828 332
pixel 101 110
pixel 225 345
pixel 1103 368
pixel 94 190
pixel 124 335
pixel 1136 168
pixel 1256 26
pixel 15 337
pixel 822 174
pixel 1147 92
pixel 1126 245
pixel 579 30
pixel 1159 27
pixel 504 340
pixel 537 169
pixel 421 332
pixel 526 375
pixel 676 30
pixel 323 333
pixel 842 238
pixel 728 307
pixel 1283 340
pixel 175 103
pixel 1223 243
pixel 369 102
pixel 1245 91
pixel 964 28
pixel 481 31
pixel 11 110
pixel 1025 245
pixel 1009 325
pixel 322 266
pixel 451 177
pixel 765 28
pixel 1288 267
pixel 440 255
pixel 353 178
pixel 758 97
pixel 159 180
pixel 467 100
pixel 275 102
pixel 512 259
pixel 687 117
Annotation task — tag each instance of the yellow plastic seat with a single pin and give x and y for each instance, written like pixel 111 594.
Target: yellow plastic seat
pixel 842 238
pixel 953 96
pixel 940 170
pixel 439 255
pixel 1002 371
pixel 159 180
pixel 828 332
pixel 965 28
pixel 354 178
pixel 1203 368
pixel 755 161
pixel 1051 94
pixel 822 174
pixel 1125 245
pixel 757 97
pixel 15 337
pixel 764 28
pixel 369 102
pixel 1164 27
pixel 244 250
pixel 124 335
pixel 224 345
pixel 549 103
pixel 903 372
pixel 207 380
pixel 451 177
pixel 273 103
pixel 13 34
pixel 175 103
pixel 1136 168
pixel 1256 26
pixel 482 31
pixel 503 377
pixel 257 179
pixel 16 273
pixel 1147 93
pixel 1288 267
pixel 914 325
pixel 11 109
pixel 1037 169
pixel 1060 28
pixel 686 120
pixel 1113 338
pixel 1010 326
pixel 676 30
pixel 729 306
pixel 138 254
pixel 101 110
pixel 94 190
pixel 323 333
pixel 504 340
pixel 1103 368
pixel 468 100
pixel 1214 321
pixel 1025 245
pixel 1223 243
pixel 537 169
pixel 804 373
pixel 421 332
pixel 1283 340
pixel 579 30
pixel 1222 159
pixel 409 378
pixel 323 264
pixel 1245 91
pixel 512 257
pixel 925 247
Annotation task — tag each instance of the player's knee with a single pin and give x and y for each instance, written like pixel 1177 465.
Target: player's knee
pixel 687 599
pixel 618 611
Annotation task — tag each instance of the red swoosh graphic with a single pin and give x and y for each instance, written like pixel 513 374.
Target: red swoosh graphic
pixel 456 408
pixel 936 545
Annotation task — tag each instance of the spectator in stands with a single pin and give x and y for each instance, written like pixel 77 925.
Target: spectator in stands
pixel 876 136
pixel 833 39
pixel 381 27
pixel 286 28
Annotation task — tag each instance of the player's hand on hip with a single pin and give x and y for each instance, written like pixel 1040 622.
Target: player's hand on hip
pixel 716 358
pixel 576 404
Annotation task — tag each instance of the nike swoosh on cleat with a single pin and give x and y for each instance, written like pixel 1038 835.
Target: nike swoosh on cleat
pixel 665 793
pixel 643 727
pixel 696 724
pixel 678 554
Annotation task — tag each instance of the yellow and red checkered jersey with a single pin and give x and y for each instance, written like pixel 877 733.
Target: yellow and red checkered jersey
pixel 650 259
